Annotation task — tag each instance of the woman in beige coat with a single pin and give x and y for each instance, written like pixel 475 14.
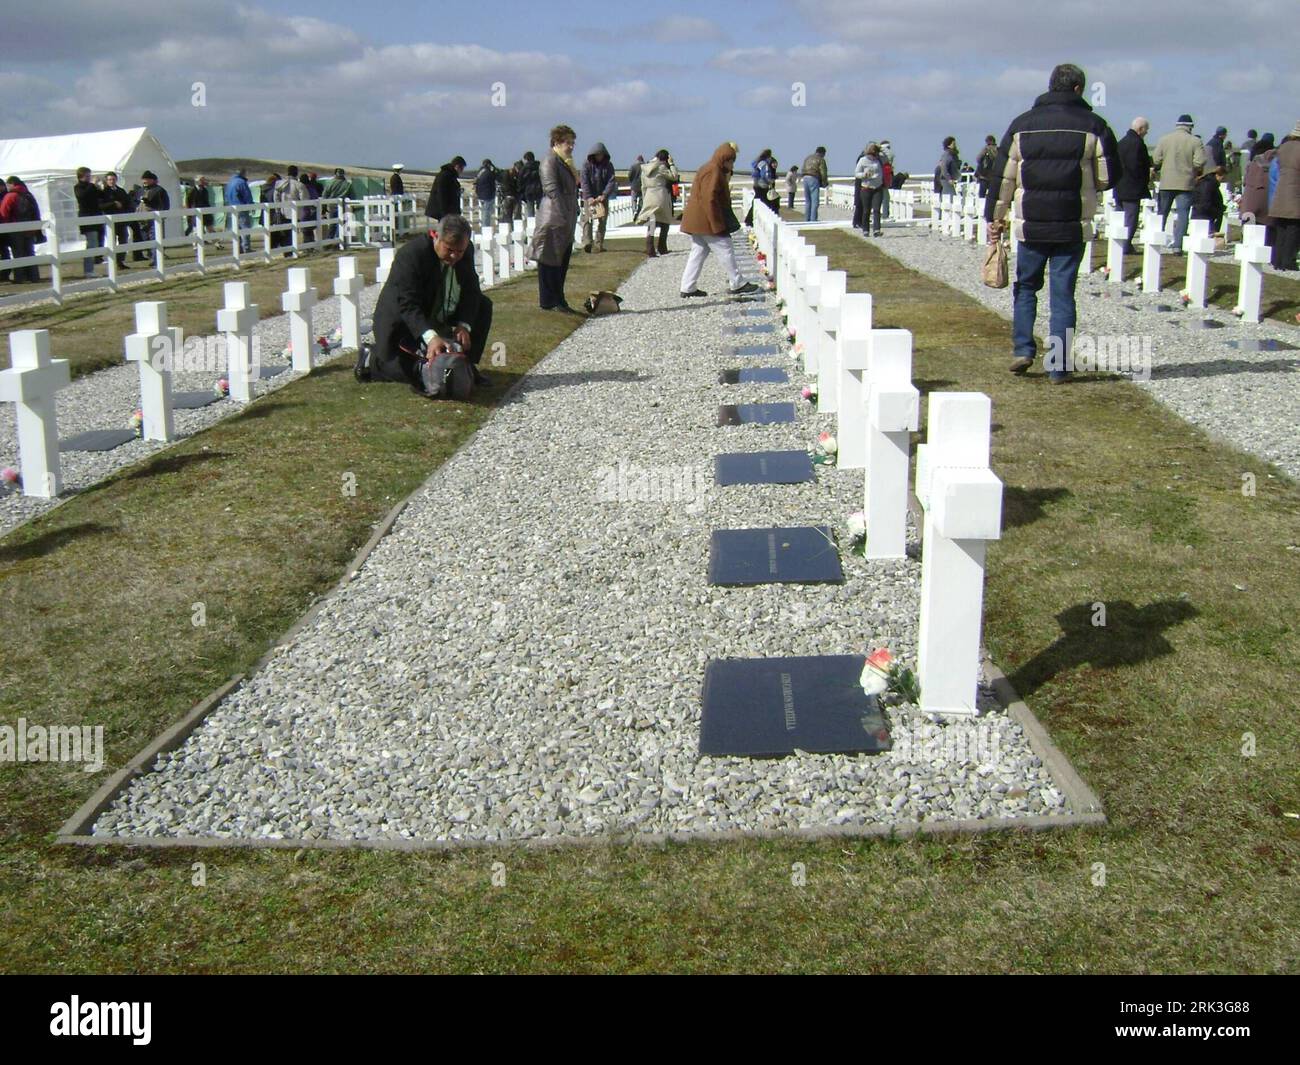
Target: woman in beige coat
pixel 557 218
pixel 657 206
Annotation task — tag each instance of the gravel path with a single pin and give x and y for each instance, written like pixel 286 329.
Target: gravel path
pixel 1251 399
pixel 107 398
pixel 522 658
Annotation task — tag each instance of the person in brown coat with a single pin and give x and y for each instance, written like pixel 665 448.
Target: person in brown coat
pixel 1284 204
pixel 710 221
pixel 1254 187
pixel 557 217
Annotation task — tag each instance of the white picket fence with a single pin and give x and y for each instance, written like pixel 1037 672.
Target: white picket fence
pixel 864 378
pixel 249 236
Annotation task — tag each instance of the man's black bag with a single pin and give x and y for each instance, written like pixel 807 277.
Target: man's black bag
pixel 361 371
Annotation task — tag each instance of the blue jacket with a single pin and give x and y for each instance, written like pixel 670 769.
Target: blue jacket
pixel 237 191
pixel 762 172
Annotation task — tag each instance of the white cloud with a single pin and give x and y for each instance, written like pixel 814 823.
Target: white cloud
pixel 803 61
pixel 1245 80
pixel 685 29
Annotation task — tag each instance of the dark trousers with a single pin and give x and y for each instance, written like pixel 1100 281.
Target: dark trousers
pixel 550 282
pixel 857 204
pixel 479 329
pixel 22 245
pixel 871 202
pixel 1130 208
pixel 1286 243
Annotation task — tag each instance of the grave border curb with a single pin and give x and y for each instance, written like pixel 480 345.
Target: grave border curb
pixel 77 828
pixel 1083 804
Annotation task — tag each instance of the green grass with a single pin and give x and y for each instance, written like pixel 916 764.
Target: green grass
pixel 1280 300
pixel 1109 498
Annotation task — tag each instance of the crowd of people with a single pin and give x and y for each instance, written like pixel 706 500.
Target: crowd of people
pixel 1059 156
pixel 105 197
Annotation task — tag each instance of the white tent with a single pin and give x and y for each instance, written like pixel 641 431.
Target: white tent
pixel 48 166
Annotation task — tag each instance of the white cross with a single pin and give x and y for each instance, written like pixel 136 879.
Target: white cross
pixel 1199 245
pixel 385 264
pixel 812 270
pixel 1117 235
pixel 963 510
pixel 30 384
pixel 486 262
pixel 155 347
pixel 853 348
pixel 1252 254
pixel 517 245
pixel 298 301
pixel 348 287
pixel 893 409
pixel 1153 239
pixel 237 320
pixel 503 250
pixel 832 286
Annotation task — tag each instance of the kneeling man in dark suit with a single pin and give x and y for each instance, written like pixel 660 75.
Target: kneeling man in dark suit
pixel 431 302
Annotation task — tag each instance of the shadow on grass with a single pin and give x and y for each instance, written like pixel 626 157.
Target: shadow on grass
pixel 1124 635
pixel 1219 367
pixel 265 410
pixel 176 463
pixel 1024 506
pixel 52 541
pixel 935 384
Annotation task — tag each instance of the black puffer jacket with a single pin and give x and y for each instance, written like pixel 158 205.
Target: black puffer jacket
pixel 1052 162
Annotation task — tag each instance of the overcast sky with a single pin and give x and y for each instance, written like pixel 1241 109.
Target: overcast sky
pixel 413 82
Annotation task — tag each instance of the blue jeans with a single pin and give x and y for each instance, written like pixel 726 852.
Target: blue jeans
pixel 1182 203
pixel 1031 263
pixel 488 207
pixel 812 194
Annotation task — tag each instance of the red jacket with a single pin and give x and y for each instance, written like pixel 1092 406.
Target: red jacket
pixel 19 205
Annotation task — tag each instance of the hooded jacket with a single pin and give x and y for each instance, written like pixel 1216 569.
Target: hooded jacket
pixel 445 197
pixel 598 174
pixel 710 203
pixel 1052 162
pixel 1254 188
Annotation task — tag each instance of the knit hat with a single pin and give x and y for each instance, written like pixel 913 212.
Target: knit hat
pixel 1222 131
pixel 150 175
pixel 1185 120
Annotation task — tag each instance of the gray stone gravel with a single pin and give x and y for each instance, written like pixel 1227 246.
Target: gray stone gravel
pixel 107 398
pixel 1249 399
pixel 522 658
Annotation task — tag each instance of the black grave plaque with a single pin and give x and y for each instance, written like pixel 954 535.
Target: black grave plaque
pixel 755 413
pixel 97 440
pixel 806 555
pixel 193 400
pixel 762 467
pixel 768 707
pixel 772 375
pixel 1204 323
pixel 749 351
pixel 765 327
pixel 272 369
pixel 1266 344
